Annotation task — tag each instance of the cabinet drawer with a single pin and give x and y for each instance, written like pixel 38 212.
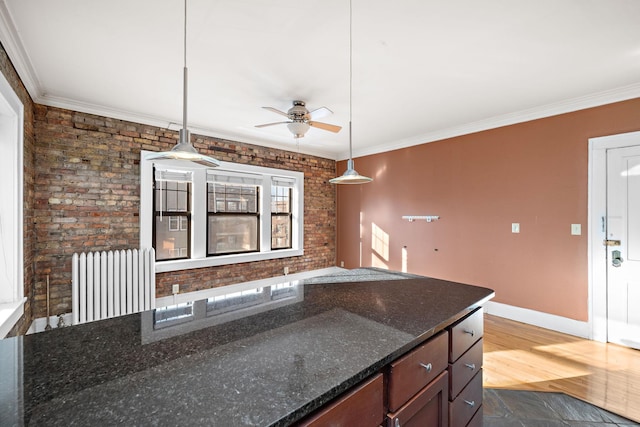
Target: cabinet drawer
pixel 363 406
pixel 464 334
pixel 427 408
pixel 476 421
pixel 464 407
pixel 465 368
pixel 416 369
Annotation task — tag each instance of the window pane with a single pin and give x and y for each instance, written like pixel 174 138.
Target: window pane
pixel 232 198
pixel 172 196
pixel 171 242
pixel 280 200
pixel 233 233
pixel 280 231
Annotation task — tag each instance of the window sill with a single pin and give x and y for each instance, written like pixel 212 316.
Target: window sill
pixel 10 313
pixel 187 264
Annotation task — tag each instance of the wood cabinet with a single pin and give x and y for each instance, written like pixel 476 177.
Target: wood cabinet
pixel 416 369
pixel 417 385
pixel 465 370
pixel 362 406
pixel 427 408
pixel 437 384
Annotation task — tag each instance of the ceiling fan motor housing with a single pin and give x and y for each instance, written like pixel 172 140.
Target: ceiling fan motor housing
pixel 298 111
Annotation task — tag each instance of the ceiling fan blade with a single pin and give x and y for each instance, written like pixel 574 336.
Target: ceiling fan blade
pixel 282 113
pixel 325 126
pixel 271 124
pixel 319 113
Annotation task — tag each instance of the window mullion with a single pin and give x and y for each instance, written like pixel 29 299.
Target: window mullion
pixel 199 214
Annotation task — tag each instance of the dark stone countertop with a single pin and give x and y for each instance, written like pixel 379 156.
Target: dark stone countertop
pixel 260 358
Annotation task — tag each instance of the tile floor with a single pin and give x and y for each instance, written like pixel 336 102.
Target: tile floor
pixel 513 408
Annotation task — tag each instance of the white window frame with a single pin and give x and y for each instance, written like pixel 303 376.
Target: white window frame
pixel 11 214
pixel 199 258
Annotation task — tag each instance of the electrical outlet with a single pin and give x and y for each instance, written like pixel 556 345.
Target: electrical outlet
pixel 176 289
pixel 341 263
pixel 515 227
pixel 286 271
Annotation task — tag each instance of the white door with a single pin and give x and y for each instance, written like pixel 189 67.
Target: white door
pixel 623 246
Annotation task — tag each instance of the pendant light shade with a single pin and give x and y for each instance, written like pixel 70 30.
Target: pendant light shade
pixel 183 150
pixel 350 176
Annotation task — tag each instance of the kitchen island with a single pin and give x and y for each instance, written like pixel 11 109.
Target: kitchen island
pixel 249 357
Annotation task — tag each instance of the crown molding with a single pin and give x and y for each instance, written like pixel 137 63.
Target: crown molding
pixel 17 54
pixel 567 106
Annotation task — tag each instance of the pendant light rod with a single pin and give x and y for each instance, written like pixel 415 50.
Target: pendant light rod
pixel 350 176
pixel 183 150
pixel 185 72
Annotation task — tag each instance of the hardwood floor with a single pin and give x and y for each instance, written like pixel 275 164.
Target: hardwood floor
pixel 523 357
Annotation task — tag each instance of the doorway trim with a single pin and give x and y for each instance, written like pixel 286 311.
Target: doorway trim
pixel 597 210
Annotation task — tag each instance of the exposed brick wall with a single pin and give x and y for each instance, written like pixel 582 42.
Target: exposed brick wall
pixel 87 199
pixel 7 70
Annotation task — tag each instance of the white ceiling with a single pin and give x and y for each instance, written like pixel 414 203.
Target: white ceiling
pixel 422 69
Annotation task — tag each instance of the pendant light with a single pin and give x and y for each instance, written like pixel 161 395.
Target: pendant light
pixel 183 150
pixel 350 176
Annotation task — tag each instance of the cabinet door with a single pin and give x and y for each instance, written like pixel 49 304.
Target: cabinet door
pixel 363 406
pixel 428 408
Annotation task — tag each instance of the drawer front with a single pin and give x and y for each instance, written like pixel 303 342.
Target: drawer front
pixel 464 334
pixel 363 406
pixel 416 369
pixel 465 368
pixel 427 408
pixel 464 407
pixel 476 421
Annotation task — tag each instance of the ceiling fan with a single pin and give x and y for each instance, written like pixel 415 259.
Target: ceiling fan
pixel 300 119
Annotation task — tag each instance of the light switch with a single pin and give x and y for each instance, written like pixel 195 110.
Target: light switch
pixel 515 227
pixel 576 229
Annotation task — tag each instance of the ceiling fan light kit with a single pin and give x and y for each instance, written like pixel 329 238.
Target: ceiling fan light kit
pixel 183 150
pixel 350 176
pixel 298 129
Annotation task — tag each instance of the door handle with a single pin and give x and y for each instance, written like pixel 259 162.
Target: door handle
pixel 616 259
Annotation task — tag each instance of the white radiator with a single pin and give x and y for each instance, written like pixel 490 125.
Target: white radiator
pixel 109 284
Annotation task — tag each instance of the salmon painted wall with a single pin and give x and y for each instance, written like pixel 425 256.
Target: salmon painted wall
pixel 534 173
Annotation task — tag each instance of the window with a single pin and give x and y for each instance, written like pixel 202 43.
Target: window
pixel 171 231
pixel 198 217
pixel 233 218
pixel 11 209
pixel 281 215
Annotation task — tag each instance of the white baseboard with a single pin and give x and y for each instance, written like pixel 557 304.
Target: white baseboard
pixel 40 323
pixel 538 318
